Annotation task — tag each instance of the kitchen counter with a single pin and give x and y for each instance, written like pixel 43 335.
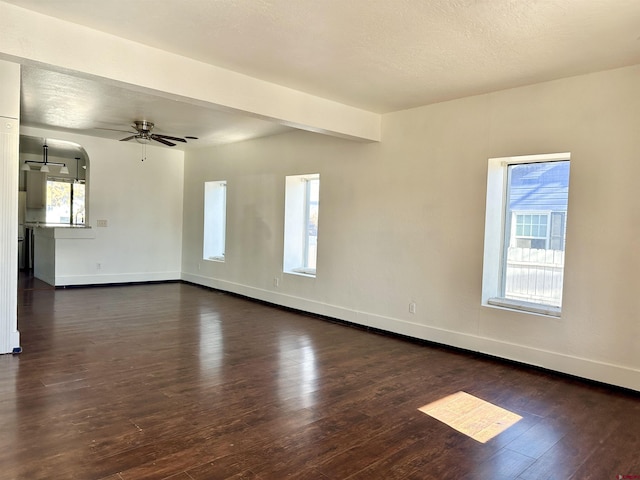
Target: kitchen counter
pixel 49 240
pixel 53 225
pixel 62 230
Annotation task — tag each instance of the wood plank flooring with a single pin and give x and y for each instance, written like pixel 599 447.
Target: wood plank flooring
pixel 173 381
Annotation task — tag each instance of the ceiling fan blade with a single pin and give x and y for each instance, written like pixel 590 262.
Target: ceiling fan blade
pixel 162 140
pixel 128 138
pixel 114 130
pixel 191 137
pixel 175 139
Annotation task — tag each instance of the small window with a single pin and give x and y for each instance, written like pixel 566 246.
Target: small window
pixel 215 220
pixel 65 201
pixel 531 230
pixel 302 202
pixel 527 199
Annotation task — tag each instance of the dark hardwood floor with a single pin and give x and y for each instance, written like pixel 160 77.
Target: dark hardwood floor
pixel 172 381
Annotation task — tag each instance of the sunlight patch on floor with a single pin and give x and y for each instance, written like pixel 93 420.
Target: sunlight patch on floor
pixel 472 416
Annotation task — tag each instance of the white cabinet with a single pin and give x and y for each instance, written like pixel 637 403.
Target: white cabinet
pixel 36 189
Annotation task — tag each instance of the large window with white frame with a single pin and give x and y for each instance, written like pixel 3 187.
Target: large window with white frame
pixel 215 220
pixel 525 229
pixel 65 201
pixel 302 202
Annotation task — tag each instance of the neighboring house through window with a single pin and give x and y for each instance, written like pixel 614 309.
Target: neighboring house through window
pixel 527 199
pixel 531 230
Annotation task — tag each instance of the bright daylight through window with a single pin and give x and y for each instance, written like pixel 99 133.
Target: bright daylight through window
pixel 65 201
pixel 215 220
pixel 527 199
pixel 302 201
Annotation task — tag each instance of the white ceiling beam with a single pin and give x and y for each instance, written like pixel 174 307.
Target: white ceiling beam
pixel 28 37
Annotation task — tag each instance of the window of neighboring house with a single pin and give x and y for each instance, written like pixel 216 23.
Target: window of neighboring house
pixel 531 230
pixel 65 201
pixel 302 201
pixel 215 220
pixel 525 229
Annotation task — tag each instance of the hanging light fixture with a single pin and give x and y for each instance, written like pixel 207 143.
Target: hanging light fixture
pixel 45 157
pixel 45 163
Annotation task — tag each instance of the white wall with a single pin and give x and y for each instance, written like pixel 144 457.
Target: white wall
pixel 403 221
pixel 142 204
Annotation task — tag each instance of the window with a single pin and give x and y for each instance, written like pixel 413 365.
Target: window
pixel 65 201
pixel 527 199
pixel 302 201
pixel 531 230
pixel 215 220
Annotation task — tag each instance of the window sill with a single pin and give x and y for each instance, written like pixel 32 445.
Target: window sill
pixel 305 272
pixel 215 259
pixel 526 307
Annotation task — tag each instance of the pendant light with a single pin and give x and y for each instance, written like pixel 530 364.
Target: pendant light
pixel 45 163
pixel 45 155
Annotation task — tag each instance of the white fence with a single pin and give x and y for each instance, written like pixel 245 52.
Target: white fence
pixel 535 275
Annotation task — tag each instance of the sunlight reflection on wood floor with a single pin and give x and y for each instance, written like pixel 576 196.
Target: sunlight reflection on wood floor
pixel 472 416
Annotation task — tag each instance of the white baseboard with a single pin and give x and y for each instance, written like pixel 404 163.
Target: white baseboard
pixel 74 280
pixel 618 375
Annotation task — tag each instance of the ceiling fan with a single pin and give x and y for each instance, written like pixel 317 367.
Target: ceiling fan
pixel 143 134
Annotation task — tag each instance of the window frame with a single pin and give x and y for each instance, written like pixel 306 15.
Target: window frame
pixel 308 206
pixel 73 214
pixel 214 234
pixel 496 234
pixel 297 215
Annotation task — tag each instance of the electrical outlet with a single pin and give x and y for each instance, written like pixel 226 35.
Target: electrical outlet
pixel 412 307
pixel 101 223
pixel 276 282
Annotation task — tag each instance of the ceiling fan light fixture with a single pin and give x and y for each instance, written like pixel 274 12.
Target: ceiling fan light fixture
pixel 64 170
pixel 25 167
pixel 142 139
pixel 44 168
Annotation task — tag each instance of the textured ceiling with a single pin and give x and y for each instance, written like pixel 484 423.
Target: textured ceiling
pixel 378 55
pixel 58 100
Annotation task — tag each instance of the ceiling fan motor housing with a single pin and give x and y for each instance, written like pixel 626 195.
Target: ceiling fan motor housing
pixel 143 127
